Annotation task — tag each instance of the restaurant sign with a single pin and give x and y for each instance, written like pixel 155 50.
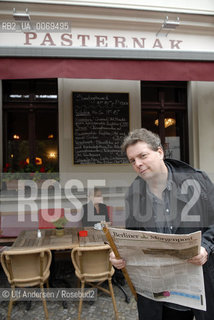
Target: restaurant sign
pixel 60 34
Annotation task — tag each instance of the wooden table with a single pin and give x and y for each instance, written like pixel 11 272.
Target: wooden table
pixel 94 238
pixel 49 240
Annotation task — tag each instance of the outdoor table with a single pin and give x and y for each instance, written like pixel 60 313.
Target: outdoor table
pixel 49 239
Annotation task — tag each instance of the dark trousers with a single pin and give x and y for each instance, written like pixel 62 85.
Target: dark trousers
pixel 152 310
pixel 172 314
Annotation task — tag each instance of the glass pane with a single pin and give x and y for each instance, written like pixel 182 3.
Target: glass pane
pixel 17 134
pixel 172 135
pixel 150 120
pixel 149 94
pixel 176 95
pixel 47 139
pixel 30 90
pixel 159 96
pixel 45 90
pixel 169 94
pixel 45 86
pixel 173 92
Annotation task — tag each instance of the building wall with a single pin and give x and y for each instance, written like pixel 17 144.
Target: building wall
pixel 156 5
pixel 201 117
pixel 193 124
pixel 195 30
pixel 117 19
pixel 111 173
pixel 110 24
pixel 1 131
pixel 205 102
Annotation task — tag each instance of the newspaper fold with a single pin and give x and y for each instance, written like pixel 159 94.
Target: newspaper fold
pixel 158 268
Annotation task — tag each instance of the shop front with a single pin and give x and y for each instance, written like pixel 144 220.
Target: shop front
pixel 77 78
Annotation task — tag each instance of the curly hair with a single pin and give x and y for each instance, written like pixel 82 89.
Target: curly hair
pixel 144 135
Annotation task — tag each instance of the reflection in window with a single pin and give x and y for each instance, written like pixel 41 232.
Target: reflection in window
pixel 164 111
pixel 47 138
pixel 31 125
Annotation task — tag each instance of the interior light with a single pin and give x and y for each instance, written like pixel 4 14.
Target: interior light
pixel 52 155
pixel 38 161
pixel 167 122
pixel 16 137
pixel 50 136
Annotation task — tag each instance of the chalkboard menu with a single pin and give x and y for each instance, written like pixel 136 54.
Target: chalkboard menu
pixel 100 122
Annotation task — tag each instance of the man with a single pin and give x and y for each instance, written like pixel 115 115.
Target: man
pixel 169 196
pixel 95 210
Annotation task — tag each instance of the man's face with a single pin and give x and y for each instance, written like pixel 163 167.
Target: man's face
pixel 146 162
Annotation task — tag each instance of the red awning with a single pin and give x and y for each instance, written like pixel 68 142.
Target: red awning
pixel 150 70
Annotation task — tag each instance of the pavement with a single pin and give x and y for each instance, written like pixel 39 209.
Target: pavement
pixel 102 308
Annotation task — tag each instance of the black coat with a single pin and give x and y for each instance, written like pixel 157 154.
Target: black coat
pixel 192 208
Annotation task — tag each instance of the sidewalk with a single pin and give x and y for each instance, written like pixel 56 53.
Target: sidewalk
pixel 100 309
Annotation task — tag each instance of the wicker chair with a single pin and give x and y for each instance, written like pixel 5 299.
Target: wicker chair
pixel 92 266
pixel 27 268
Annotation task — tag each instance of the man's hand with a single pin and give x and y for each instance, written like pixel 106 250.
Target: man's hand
pixel 117 263
pixel 201 258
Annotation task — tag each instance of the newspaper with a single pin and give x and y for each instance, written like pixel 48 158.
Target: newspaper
pixel 158 268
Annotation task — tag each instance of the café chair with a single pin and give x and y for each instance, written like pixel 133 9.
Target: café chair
pixel 26 268
pixel 92 266
pixel 46 222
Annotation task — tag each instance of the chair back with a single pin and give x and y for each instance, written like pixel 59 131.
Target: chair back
pixel 92 263
pixel 47 216
pixel 28 267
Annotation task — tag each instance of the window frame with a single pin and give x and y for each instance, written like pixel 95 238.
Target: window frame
pixel 161 107
pixel 30 105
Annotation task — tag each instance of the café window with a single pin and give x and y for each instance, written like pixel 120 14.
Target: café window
pixel 164 111
pixel 30 125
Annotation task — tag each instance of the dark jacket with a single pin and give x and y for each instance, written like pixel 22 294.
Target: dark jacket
pixel 192 209
pixel 90 215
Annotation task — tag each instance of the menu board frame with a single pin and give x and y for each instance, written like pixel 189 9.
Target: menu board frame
pixel 122 100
